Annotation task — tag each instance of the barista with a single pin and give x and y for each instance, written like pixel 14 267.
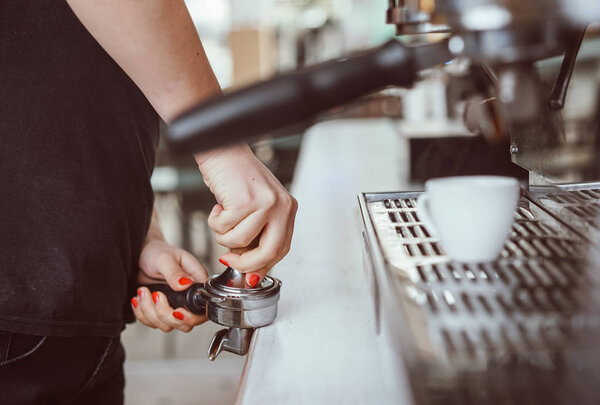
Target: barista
pixel 83 86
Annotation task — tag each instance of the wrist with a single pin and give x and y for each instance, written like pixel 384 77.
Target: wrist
pixel 154 233
pixel 209 159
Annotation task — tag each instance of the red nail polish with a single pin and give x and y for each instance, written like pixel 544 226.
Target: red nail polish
pixel 178 315
pixel 155 297
pixel 253 279
pixel 224 262
pixel 140 292
pixel 134 302
pixel 185 281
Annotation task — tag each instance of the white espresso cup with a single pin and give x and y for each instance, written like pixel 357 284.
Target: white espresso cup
pixel 470 215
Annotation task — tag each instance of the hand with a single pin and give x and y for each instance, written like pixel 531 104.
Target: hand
pixel 160 262
pixel 253 207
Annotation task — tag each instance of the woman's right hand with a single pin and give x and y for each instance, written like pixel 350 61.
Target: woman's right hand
pixel 255 214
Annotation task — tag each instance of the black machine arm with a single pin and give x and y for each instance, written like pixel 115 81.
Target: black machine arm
pixel 300 95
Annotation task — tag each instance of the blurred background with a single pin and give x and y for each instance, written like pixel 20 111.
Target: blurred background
pixel 245 42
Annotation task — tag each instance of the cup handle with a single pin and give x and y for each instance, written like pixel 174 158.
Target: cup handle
pixel 423 212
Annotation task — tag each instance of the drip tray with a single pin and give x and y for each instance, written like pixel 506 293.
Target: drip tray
pixel 522 329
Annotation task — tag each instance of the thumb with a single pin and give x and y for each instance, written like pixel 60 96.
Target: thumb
pixel 170 268
pixel 255 277
pixel 193 268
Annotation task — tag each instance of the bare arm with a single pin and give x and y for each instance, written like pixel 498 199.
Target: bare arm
pixel 156 44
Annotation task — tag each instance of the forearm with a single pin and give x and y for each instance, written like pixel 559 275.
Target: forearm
pixel 156 44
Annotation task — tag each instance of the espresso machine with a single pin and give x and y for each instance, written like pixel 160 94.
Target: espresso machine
pixel 525 328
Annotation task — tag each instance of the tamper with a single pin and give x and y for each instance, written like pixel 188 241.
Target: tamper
pixel 227 301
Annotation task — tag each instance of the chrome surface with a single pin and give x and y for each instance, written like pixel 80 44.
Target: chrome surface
pixel 239 308
pixel 234 340
pixel 543 58
pixel 230 278
pixel 576 204
pixel 521 329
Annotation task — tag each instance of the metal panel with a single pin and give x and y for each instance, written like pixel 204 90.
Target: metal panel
pixel 521 329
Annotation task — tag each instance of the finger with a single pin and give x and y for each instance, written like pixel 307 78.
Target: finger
pixel 216 210
pixel 222 220
pixel 254 278
pixel 135 305
pixel 244 232
pixel 146 307
pixel 268 251
pixel 169 266
pixel 192 266
pixel 139 315
pixel 179 318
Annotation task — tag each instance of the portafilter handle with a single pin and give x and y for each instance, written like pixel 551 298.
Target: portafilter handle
pixel 298 96
pixel 190 299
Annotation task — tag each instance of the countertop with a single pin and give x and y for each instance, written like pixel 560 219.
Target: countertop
pixel 323 349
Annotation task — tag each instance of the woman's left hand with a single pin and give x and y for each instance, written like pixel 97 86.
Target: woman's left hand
pixel 160 263
pixel 254 210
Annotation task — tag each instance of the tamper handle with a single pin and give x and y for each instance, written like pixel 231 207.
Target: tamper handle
pixel 190 299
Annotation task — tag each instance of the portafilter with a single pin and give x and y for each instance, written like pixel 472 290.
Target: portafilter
pixel 227 301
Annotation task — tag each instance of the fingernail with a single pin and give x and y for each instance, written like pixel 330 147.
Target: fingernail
pixel 185 281
pixel 140 292
pixel 178 315
pixel 134 302
pixel 224 262
pixel 155 297
pixel 253 279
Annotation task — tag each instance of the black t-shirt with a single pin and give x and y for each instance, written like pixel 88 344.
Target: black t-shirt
pixel 77 147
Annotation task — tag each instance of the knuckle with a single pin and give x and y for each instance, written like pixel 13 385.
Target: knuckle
pixel 288 202
pixel 229 243
pixel 234 241
pixel 221 239
pixel 218 227
pixel 270 255
pixel 269 199
pixel 162 312
pixel 242 240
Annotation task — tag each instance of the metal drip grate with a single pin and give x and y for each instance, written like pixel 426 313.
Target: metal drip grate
pixel 533 310
pixel 578 205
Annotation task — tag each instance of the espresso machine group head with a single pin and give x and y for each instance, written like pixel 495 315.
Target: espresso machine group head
pixel 508 39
